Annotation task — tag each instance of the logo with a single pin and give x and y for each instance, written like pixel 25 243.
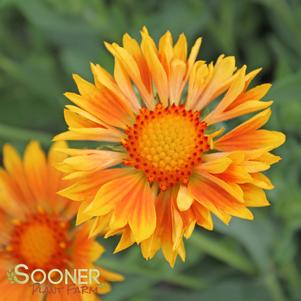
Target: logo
pixel 76 281
pixel 11 276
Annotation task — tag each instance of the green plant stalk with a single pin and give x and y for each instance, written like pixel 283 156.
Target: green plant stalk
pixel 216 249
pixel 170 277
pixel 273 286
pixel 15 133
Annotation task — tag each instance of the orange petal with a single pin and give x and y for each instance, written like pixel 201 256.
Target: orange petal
pixel 177 229
pixel 55 181
pixel 112 193
pixel 193 55
pixel 256 93
pixel 14 166
pixel 150 246
pixel 246 136
pixel 202 215
pixel 256 139
pixel 180 48
pixel 110 276
pixel 166 51
pixel 199 77
pixel 211 196
pixel 99 102
pixel 103 78
pixel 262 181
pixel 132 46
pixel 243 109
pixel 126 240
pixel 235 89
pixel 94 134
pixel 35 166
pixel 81 215
pixel 100 225
pixel 255 166
pixel 96 160
pixel 215 166
pixel 184 199
pixel 125 85
pixel 88 186
pixel 133 71
pixel 142 219
pixel 84 250
pixel 236 174
pixel 232 188
pixel 177 75
pixel 77 117
pixel 221 79
pixel 156 69
pixel 254 196
pixel 269 158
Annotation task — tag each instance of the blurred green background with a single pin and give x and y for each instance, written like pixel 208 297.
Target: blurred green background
pixel 43 42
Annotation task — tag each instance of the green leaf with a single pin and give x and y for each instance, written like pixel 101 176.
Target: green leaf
pixel 219 249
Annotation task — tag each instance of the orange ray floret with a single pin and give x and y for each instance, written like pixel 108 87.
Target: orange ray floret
pixel 36 226
pixel 167 169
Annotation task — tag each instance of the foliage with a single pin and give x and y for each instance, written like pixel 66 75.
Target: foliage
pixel 44 41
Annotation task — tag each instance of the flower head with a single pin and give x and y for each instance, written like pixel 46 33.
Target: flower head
pixel 167 164
pixel 35 225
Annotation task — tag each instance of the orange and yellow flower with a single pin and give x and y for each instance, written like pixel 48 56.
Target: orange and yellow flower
pixel 164 164
pixel 35 226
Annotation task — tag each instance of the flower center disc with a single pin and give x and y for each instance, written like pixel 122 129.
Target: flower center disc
pixel 166 144
pixel 39 242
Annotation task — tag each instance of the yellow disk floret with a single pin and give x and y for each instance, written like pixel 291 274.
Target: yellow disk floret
pixel 37 241
pixel 166 144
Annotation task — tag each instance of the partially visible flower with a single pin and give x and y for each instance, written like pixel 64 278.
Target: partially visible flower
pixel 169 166
pixel 35 227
